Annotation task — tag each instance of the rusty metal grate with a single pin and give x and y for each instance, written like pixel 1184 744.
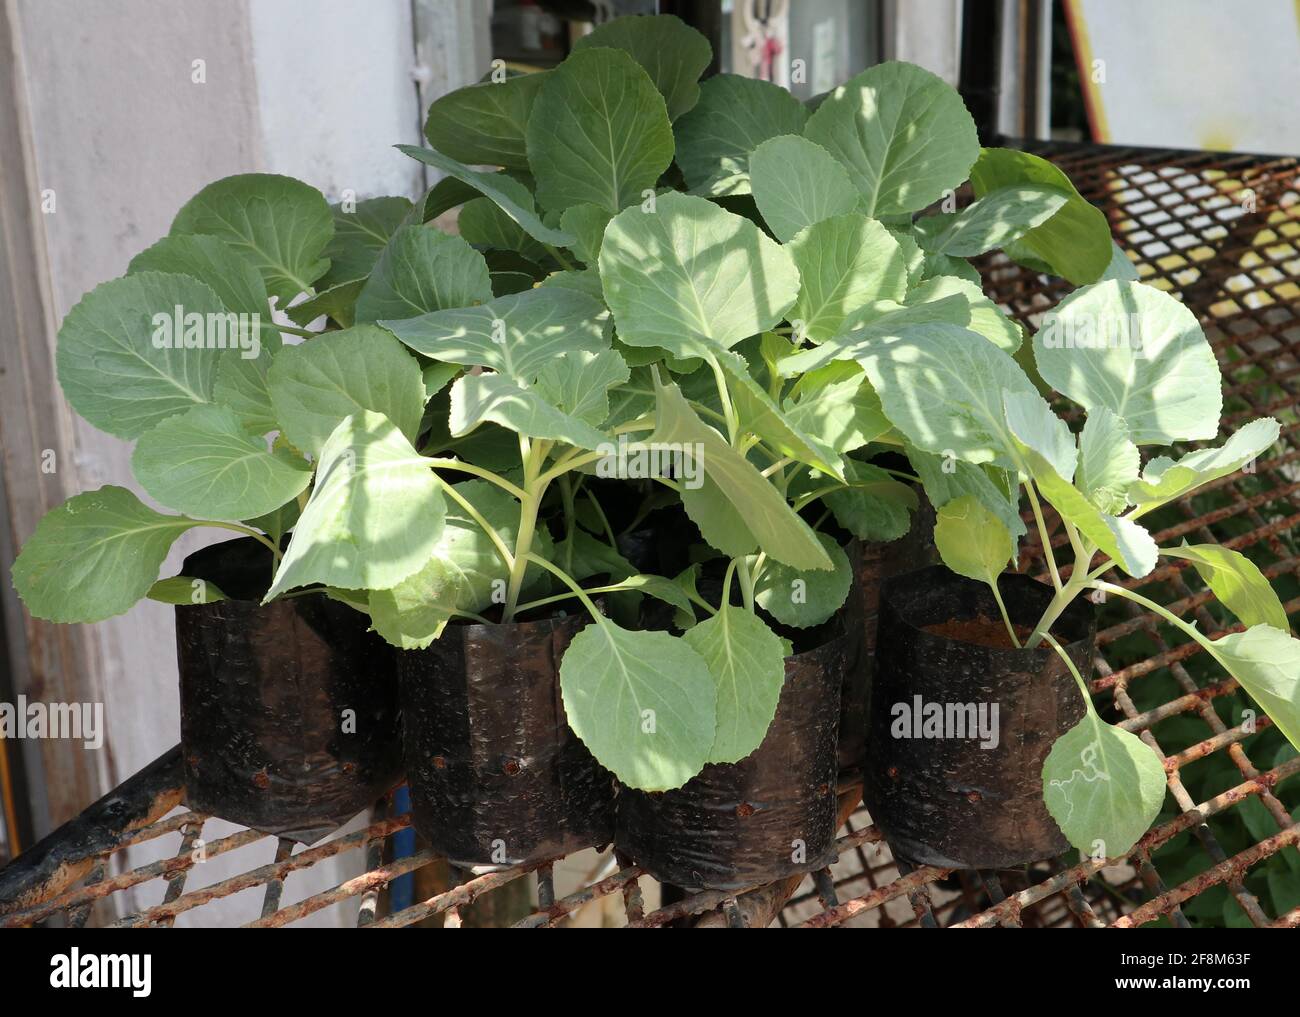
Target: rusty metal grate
pixel 1223 231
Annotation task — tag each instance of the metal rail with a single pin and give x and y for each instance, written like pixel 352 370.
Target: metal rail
pixel 1222 231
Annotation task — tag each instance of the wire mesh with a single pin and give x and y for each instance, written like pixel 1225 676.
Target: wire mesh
pixel 1223 233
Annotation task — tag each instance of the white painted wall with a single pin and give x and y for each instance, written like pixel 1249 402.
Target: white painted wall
pixel 318 89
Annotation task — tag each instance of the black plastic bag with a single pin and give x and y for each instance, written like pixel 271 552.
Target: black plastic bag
pixel 497 776
pixel 770 815
pixel 874 562
pixel 954 801
pixel 289 715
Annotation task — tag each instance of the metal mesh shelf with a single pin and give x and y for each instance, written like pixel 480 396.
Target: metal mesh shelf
pixel 1223 232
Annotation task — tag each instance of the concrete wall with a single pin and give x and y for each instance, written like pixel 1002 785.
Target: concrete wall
pixel 318 89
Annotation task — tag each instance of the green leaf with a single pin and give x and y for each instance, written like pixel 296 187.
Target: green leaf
pixel 1108 461
pixel 802 598
pixel 902 133
pixel 359 237
pixel 734 116
pixel 1120 266
pixel 515 335
pixel 123 372
pixel 1101 783
pixel 717 277
pixel 1074 243
pixel 584 556
pixel 844 263
pixel 422 270
pixel 277 523
pixel 1123 540
pixel 999 217
pixel 1165 479
pixel 933 266
pixel 203 463
pixel 886 320
pixel 476 398
pixel 94 556
pixel 1139 353
pixel 963 303
pixel 242 386
pixel 760 416
pixel 463 574
pixel 512 196
pixel 1032 421
pixel 599 132
pixel 374 516
pixel 874 506
pixel 1266 663
pixel 232 276
pixel 945 479
pixel 842 413
pixel 587 223
pixel 721 523
pixel 315 384
pixel 485 124
pixel 281 224
pixel 747 662
pixel 670 51
pixel 972 541
pixel 642 702
pixel 774 524
pixel 184 591
pixel 1236 581
pixel 483 224
pixel 337 303
pixel 578 383
pixel 943 386
pixel 797 183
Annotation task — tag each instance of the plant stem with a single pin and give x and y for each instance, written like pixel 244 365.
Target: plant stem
pixel 746 583
pixel 261 538
pixel 528 507
pixel 572 584
pixel 1083 685
pixel 482 474
pixel 1077 582
pixel 570 520
pixel 506 557
pixel 1159 609
pixel 568 464
pixel 1043 536
pixel 604 520
pixel 305 333
pixel 1006 618
pixel 554 252
pixel 728 410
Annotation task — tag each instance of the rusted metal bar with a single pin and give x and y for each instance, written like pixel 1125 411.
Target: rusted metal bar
pixel 456 897
pixel 624 880
pixel 274 885
pixel 58 861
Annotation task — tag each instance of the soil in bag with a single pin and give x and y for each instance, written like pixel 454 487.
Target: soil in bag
pixel 772 814
pixel 497 776
pixel 289 713
pixel 959 721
